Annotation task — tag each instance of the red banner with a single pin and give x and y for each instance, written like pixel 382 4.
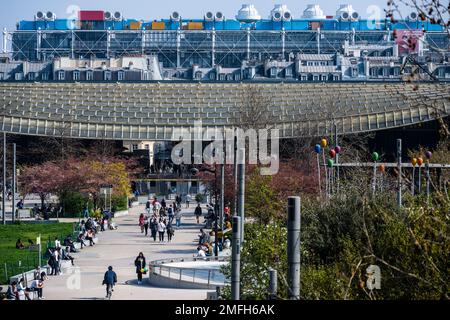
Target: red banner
pixel 408 40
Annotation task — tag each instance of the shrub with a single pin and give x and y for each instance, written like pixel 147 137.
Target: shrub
pixel 199 197
pixel 73 203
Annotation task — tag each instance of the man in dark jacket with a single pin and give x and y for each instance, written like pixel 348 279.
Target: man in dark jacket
pixel 110 279
pixel 198 213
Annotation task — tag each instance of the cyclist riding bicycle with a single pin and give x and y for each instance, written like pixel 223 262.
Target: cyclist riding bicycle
pixel 110 279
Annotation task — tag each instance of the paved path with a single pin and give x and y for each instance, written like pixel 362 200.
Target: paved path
pixel 119 248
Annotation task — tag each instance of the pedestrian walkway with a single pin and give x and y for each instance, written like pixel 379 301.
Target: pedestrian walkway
pixel 119 248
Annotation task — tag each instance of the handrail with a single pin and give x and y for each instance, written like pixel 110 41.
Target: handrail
pixel 194 275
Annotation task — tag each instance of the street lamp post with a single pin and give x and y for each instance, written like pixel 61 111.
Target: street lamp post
pixel 4 180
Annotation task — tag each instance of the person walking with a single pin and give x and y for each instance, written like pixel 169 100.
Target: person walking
pixel 170 231
pixel 141 222
pixel 146 222
pixel 154 227
pixel 170 213
pixel 178 216
pixel 148 206
pixel 198 212
pixel 52 261
pixel 161 230
pixel 109 279
pixel 188 199
pixel 140 266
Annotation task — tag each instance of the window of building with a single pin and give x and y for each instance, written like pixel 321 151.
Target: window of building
pixel 222 77
pixel 441 72
pixel 121 76
pixel 134 147
pixel 76 75
pixel 373 72
pixel 18 76
pixel 31 76
pixel 315 78
pixel 44 76
pixel 147 147
pixel 304 78
pixel 237 77
pixel 336 78
pixel 212 75
pixel 288 72
pixel 107 75
pixel 273 72
pixel 2 76
pixel 89 76
pixel 198 75
pixel 61 75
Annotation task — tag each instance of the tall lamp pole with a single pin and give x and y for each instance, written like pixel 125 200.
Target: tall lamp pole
pixel 4 180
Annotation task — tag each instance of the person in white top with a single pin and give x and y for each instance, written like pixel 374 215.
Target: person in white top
pixel 57 243
pixel 188 199
pixel 161 230
pixel 200 252
pixel 21 291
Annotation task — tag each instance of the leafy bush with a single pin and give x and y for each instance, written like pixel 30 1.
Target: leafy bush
pixel 73 203
pixel 199 197
pixel 119 203
pixel 342 237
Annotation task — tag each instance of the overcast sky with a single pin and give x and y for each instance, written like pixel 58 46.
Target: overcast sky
pixel 13 11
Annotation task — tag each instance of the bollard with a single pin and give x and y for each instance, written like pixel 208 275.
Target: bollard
pixel 236 259
pixel 293 253
pixel 273 284
pixel 399 166
pixel 241 192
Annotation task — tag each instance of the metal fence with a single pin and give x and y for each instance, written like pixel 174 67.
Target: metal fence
pixel 210 277
pixel 31 260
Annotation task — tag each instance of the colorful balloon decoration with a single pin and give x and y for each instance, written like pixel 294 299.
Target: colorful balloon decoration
pixel 332 153
pixel 375 156
pixel 428 155
pixel 382 168
pixel 330 163
pixel 323 143
pixel 414 161
pixel 317 148
pixel 338 149
pixel 419 161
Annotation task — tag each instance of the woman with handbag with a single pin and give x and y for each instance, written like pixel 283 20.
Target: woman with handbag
pixel 141 222
pixel 140 266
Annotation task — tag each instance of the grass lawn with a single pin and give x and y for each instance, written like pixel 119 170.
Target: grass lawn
pixel 10 255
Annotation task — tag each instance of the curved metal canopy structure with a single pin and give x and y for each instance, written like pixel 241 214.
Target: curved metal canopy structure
pixel 151 111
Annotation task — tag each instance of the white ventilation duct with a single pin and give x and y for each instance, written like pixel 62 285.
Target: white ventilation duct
pixel 345 12
pixel 39 16
pixel 313 11
pixel 355 16
pixel 287 16
pixel 219 16
pixel 50 16
pixel 175 16
pixel 280 12
pixel 108 16
pixel 413 16
pixel 209 16
pixel 248 13
pixel 117 16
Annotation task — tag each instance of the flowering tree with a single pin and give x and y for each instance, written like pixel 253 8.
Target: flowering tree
pixel 78 175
